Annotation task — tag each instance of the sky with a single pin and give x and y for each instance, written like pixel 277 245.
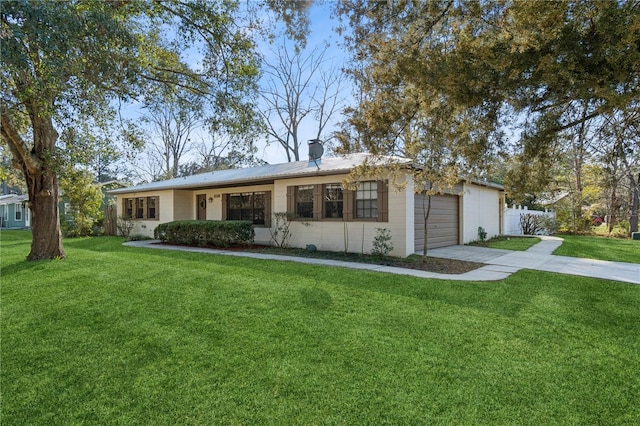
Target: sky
pixel 321 32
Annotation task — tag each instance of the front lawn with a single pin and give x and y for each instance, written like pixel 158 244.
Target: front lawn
pixel 601 248
pixel 508 243
pixel 119 335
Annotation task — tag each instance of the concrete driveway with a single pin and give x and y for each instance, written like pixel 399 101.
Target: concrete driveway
pixel 540 258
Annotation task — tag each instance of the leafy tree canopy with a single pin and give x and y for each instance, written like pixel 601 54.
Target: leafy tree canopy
pixel 447 78
pixel 62 60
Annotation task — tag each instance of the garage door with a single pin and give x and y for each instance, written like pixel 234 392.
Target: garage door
pixel 443 223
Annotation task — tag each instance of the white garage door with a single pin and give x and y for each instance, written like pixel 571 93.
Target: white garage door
pixel 443 223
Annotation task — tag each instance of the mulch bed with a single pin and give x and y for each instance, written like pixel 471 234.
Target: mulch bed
pixel 431 264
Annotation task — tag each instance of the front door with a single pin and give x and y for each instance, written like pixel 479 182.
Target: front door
pixel 201 206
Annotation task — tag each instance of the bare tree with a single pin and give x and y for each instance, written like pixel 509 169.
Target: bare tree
pixel 299 86
pixel 172 120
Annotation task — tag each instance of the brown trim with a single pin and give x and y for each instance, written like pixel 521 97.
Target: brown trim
pixel 225 203
pixel 291 200
pixel 318 205
pixel 142 203
pixel 383 201
pixel 348 205
pixel 267 209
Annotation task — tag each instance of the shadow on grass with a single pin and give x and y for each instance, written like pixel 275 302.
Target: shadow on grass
pixel 24 266
pixel 505 298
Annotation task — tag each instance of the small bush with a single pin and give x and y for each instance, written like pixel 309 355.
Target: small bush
pixel 125 225
pixel 382 244
pixel 224 233
pixel 482 234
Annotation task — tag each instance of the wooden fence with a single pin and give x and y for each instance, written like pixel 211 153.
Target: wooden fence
pixel 110 220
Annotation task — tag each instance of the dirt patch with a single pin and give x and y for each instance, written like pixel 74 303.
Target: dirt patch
pixel 430 264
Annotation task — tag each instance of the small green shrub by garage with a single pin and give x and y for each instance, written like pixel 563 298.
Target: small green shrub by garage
pixel 219 233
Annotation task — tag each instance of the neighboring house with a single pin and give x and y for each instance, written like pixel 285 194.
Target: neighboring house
pixel 339 219
pixel 14 211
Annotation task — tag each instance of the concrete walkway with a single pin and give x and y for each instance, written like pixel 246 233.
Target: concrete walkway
pixel 540 258
pixel 499 263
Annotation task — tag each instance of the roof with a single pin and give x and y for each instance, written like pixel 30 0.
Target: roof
pixel 266 173
pixel 13 198
pixel 270 172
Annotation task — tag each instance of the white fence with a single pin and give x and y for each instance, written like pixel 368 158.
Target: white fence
pixel 512 218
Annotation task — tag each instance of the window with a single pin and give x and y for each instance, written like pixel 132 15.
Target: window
pixel 151 208
pixel 128 208
pixel 141 208
pixel 18 210
pixel 249 206
pixel 5 214
pixel 367 200
pixel 304 201
pixel 333 200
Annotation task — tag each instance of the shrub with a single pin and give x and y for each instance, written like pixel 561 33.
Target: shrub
pixel 482 234
pixel 224 233
pixel 281 232
pixel 125 225
pixel 382 244
pixel 530 224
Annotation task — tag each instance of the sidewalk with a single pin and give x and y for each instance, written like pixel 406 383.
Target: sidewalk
pixel 539 257
pixel 499 263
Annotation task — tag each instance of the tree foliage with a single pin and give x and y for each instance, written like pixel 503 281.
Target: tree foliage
pixel 79 58
pixel 84 196
pixel 461 79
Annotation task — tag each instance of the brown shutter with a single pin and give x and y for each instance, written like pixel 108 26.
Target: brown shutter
pixel 225 203
pixel 291 200
pixel 267 208
pixel 318 204
pixel 383 201
pixel 348 201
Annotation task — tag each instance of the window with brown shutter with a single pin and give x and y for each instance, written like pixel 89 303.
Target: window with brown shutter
pixel 141 208
pixel 331 201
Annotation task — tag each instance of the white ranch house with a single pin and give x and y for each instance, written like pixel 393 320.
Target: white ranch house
pixel 314 193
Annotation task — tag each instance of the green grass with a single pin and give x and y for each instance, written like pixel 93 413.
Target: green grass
pixel 601 248
pixel 509 243
pixel 117 335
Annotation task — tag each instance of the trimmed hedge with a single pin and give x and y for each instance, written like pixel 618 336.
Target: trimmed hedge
pixel 219 233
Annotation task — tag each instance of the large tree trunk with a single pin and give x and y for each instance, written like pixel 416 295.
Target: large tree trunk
pixel 45 217
pixel 38 165
pixel 43 194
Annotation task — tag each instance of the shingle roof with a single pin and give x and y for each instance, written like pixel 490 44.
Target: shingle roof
pixel 326 166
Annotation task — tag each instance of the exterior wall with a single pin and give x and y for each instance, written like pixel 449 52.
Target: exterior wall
pixel 165 211
pixel 184 205
pixel 333 235
pixel 481 206
pixel 214 207
pixel 352 236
